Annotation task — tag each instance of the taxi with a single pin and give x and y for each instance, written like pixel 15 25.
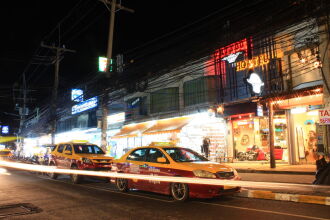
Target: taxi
pixel 166 159
pixel 79 155
pixel 5 153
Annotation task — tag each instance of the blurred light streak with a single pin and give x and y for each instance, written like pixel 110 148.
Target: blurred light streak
pixel 3 171
pixel 205 181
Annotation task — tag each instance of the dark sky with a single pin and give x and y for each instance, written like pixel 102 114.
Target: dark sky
pixel 24 24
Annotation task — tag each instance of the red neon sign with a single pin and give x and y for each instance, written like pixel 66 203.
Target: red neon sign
pixel 232 48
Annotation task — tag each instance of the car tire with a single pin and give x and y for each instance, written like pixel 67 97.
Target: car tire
pixel 122 185
pixel 52 175
pixel 179 191
pixel 75 178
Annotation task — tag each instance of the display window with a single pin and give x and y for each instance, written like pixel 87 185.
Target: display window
pixel 251 138
pixel 304 124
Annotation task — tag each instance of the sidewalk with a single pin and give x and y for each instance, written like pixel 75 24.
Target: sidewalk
pixel 248 167
pixel 299 175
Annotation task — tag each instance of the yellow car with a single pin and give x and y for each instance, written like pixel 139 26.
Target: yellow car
pixel 165 159
pixel 5 153
pixel 79 155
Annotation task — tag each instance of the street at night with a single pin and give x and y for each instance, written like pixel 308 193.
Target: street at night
pixel 162 109
pixel 60 199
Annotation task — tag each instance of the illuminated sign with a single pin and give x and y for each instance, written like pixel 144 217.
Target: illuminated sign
pixel 83 106
pixel 116 118
pixel 232 57
pixel 260 110
pixel 77 95
pixel 324 115
pixel 232 49
pixel 103 63
pixel 5 129
pixel 254 62
pixel 255 81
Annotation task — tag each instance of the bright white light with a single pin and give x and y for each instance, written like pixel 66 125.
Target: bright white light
pixel 232 57
pixel 313 113
pixel 3 171
pixel 298 110
pixel 255 81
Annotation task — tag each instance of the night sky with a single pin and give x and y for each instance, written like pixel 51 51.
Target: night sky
pixel 24 24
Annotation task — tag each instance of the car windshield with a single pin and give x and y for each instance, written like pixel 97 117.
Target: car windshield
pixel 184 155
pixel 87 149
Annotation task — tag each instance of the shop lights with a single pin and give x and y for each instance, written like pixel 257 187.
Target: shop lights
pixel 298 110
pixel 220 109
pixel 313 113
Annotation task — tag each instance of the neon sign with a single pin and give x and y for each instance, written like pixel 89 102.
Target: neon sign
pixel 232 57
pixel 83 106
pixel 5 129
pixel 103 63
pixel 233 48
pixel 254 62
pixel 255 81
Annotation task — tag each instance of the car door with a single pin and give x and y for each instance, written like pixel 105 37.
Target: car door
pixel 67 157
pixel 139 165
pixel 59 158
pixel 156 168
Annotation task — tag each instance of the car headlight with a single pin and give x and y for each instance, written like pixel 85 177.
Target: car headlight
pixel 86 160
pixel 235 172
pixel 204 174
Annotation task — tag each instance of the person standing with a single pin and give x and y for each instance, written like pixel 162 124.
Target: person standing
pixel 205 147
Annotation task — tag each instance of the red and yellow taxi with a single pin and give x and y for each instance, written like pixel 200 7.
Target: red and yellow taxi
pixel 166 159
pixel 79 155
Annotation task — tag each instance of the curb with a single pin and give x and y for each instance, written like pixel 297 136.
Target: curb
pixel 259 194
pixel 276 172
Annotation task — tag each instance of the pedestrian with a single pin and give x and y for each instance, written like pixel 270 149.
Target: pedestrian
pixel 205 147
pixel 322 176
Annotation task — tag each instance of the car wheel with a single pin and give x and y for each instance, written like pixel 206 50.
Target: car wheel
pixel 122 184
pixel 52 175
pixel 180 191
pixel 75 178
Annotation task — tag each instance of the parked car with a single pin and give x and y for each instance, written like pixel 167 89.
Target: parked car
pixel 5 153
pixel 81 156
pixel 165 159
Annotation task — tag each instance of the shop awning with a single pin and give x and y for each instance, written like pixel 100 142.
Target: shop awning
pixel 133 130
pixel 168 125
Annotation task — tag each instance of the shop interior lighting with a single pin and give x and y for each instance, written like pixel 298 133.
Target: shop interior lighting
pixel 313 113
pixel 298 110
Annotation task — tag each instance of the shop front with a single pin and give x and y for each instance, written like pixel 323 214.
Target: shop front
pixel 299 131
pixel 251 137
pixel 189 131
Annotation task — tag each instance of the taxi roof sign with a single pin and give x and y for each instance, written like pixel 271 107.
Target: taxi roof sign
pixel 79 141
pixel 162 144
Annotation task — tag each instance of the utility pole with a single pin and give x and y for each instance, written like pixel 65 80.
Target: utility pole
pixel 58 52
pixel 271 134
pixel 105 98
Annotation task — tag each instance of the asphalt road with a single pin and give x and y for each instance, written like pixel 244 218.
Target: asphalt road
pixel 96 199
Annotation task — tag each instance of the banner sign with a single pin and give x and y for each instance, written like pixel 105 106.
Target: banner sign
pixel 324 115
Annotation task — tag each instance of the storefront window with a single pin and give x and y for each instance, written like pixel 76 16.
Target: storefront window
pixel 251 138
pixel 304 123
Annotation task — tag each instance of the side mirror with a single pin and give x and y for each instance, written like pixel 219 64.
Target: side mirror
pixel 161 160
pixel 67 152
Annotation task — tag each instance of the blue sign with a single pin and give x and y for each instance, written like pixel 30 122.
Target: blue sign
pixel 5 129
pixel 77 95
pixel 86 105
